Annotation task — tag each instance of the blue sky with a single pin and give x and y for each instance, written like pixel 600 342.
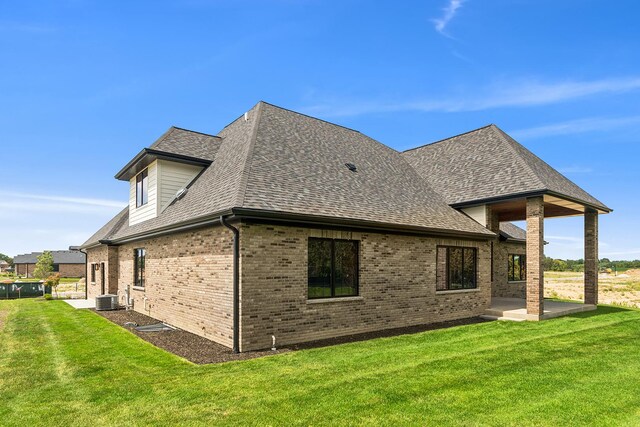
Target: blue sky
pixel 84 85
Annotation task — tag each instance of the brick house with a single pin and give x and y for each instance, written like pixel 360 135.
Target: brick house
pixel 289 226
pixel 68 263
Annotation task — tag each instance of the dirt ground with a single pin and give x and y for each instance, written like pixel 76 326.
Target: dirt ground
pixel 202 351
pixel 622 289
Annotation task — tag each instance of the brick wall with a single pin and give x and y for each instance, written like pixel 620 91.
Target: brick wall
pixel 501 285
pixel 397 286
pixel 71 270
pixel 188 281
pixel 65 270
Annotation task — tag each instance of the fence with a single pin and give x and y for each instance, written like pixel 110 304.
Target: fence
pixel 23 290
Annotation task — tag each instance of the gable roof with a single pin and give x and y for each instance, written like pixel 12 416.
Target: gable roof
pixel 59 257
pixel 277 162
pixel 512 232
pixel 501 168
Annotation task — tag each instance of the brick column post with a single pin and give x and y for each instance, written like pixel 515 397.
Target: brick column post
pixel 535 255
pixel 493 224
pixel 590 256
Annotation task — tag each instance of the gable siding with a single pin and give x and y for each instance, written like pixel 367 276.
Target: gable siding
pixel 172 177
pixel 150 210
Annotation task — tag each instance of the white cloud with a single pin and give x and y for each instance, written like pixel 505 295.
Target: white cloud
pixel 440 24
pixel 575 169
pixel 591 124
pixel 518 93
pixel 62 200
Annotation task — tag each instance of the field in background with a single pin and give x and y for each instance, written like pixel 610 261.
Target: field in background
pixel 622 289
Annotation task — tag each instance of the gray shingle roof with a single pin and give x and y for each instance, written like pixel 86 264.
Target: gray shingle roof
pixel 511 231
pixel 500 167
pixel 188 143
pixel 59 257
pixel 285 162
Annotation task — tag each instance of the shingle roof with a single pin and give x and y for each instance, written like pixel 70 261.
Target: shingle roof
pixel 500 165
pixel 187 143
pixel 284 162
pixel 511 231
pixel 59 257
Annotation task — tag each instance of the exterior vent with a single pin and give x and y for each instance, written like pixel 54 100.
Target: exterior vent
pixel 106 302
pixel 351 167
pixel 181 193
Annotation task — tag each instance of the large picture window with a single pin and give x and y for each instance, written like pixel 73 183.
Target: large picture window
pixel 517 268
pixel 333 268
pixel 456 268
pixel 138 267
pixel 142 188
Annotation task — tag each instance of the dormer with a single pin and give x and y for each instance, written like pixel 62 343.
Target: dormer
pixel 155 179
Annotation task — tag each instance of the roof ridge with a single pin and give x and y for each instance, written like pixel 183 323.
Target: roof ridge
pixel 244 177
pixel 448 138
pixel 195 131
pixel 510 143
pixel 311 117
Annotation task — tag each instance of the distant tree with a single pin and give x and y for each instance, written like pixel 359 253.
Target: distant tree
pixel 6 258
pixel 559 265
pixel 44 265
pixel 547 263
pixel 53 281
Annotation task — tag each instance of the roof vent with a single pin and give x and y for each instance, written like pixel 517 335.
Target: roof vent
pixel 181 193
pixel 351 167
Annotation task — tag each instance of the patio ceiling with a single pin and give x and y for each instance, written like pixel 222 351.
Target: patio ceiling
pixel 554 206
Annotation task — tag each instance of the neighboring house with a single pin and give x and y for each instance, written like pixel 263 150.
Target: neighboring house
pixel 289 226
pixel 68 263
pixel 4 265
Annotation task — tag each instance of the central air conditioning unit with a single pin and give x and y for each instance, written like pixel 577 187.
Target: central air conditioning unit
pixel 106 302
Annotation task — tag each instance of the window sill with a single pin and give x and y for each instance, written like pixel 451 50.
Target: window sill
pixel 93 283
pixel 516 281
pixel 338 299
pixel 457 291
pixel 138 288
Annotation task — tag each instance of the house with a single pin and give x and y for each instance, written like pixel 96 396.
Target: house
pixel 4 265
pixel 283 225
pixel 69 263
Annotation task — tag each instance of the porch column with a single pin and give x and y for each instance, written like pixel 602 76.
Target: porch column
pixel 591 256
pixel 493 224
pixel 535 255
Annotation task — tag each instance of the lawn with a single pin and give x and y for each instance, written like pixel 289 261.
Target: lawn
pixel 60 366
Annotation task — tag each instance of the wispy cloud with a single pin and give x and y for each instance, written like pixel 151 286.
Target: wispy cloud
pixel 25 27
pixel 575 169
pixel 65 200
pixel 440 24
pixel 521 93
pixel 625 253
pixel 590 124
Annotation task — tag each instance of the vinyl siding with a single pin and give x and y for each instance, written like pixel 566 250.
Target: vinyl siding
pixel 150 210
pixel 171 178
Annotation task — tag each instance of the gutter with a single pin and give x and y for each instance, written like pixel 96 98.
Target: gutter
pixel 236 283
pixel 516 196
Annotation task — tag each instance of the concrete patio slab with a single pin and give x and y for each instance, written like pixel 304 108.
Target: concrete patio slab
pixel 81 303
pixel 515 309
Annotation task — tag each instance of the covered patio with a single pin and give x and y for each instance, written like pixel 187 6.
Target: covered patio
pixel 533 209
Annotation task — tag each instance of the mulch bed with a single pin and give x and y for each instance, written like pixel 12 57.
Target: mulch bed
pixel 203 351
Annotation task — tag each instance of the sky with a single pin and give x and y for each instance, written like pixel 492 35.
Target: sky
pixel 85 85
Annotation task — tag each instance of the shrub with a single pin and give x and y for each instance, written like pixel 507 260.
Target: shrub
pixel 48 297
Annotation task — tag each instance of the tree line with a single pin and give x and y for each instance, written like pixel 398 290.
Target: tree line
pixel 551 264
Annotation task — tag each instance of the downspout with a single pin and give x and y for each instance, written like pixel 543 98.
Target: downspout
pixel 236 283
pixel 86 274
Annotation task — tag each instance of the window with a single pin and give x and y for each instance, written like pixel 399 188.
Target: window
pixel 142 188
pixel 456 268
pixel 138 267
pixel 56 268
pixel 93 273
pixel 517 268
pixel 333 268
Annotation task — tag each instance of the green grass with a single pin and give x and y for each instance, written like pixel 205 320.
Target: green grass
pixel 60 366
